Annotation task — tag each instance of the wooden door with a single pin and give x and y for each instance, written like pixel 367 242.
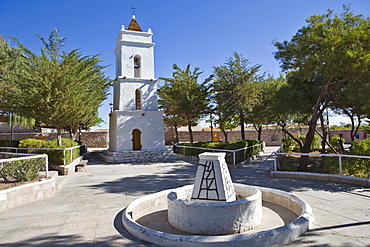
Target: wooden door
pixel 136 139
pixel 216 137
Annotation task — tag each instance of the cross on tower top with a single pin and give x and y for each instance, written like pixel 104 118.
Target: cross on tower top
pixel 133 10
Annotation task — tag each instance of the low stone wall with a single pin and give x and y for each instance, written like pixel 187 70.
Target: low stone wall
pixel 272 137
pixel 323 177
pixel 66 169
pixel 93 139
pixel 23 194
pixel 19 136
pixel 137 156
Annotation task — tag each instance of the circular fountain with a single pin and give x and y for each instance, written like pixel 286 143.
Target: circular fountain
pixel 215 212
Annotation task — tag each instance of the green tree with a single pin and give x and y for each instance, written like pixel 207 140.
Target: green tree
pixel 325 55
pixel 262 113
pixel 184 97
pixel 10 58
pixel 354 104
pixel 57 88
pixel 236 88
pixel 226 123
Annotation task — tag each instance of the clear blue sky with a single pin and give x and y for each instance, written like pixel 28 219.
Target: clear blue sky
pixel 202 33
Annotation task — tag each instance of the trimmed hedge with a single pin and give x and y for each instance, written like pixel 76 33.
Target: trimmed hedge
pixel 6 143
pixel 233 145
pixel 55 156
pixel 21 170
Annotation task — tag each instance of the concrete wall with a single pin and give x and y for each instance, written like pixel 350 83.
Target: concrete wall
pixel 346 134
pixel 272 137
pixel 150 123
pixel 5 128
pixel 26 193
pixel 93 139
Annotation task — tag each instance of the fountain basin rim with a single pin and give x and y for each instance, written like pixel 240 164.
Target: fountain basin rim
pixel 270 237
pixel 257 193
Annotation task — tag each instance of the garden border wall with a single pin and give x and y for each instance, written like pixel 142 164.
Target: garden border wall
pixel 26 193
pixel 365 182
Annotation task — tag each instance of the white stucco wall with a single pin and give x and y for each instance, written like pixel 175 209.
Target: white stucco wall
pixel 124 94
pixel 125 118
pixel 130 44
pixel 150 123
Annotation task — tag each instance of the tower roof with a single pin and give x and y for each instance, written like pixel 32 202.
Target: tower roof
pixel 134 26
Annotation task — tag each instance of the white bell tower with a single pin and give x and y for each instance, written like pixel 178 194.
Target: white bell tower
pixel 135 123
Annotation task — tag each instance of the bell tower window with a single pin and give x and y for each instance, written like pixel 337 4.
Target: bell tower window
pixel 138 99
pixel 137 66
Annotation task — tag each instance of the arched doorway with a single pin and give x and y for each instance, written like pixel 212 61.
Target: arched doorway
pixel 136 139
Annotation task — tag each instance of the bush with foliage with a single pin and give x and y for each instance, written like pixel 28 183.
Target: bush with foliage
pixel 22 170
pixel 56 156
pixel 289 145
pixel 233 145
pixel 359 166
pixel 335 142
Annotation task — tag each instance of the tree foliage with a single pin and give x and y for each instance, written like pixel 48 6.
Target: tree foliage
pixel 322 58
pixel 61 89
pixel 264 112
pixel 236 89
pixel 183 97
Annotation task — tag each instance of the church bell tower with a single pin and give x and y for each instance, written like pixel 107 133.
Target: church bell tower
pixel 135 124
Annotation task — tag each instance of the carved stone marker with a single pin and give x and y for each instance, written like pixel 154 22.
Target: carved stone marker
pixel 213 181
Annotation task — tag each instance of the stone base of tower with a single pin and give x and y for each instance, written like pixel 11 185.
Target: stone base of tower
pixel 138 156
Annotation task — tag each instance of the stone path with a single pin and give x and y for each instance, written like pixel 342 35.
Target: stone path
pixel 87 209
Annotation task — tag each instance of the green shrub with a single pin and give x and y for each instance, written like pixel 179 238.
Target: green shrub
pixel 358 166
pixel 335 143
pixel 315 145
pixel 22 170
pixel 6 143
pixel 55 156
pixel 331 165
pixel 290 145
pixel 32 143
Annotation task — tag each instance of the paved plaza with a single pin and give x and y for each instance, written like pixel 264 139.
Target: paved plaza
pixel 87 208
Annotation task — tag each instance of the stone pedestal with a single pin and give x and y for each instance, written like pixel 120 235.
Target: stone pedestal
pixel 213 180
pixel 138 156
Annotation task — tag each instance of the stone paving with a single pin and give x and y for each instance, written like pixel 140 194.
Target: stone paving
pixel 87 209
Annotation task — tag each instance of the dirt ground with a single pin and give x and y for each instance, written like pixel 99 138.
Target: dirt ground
pixel 4 186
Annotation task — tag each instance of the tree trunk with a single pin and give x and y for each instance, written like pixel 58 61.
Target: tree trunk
pixel 259 131
pixel 323 139
pixel 283 128
pixel 176 133
pixel 318 109
pixel 303 161
pixel 190 133
pixel 211 129
pixel 353 129
pixel 327 143
pixel 11 127
pixel 59 135
pixel 225 134
pixel 341 146
pixel 242 125
pixel 79 135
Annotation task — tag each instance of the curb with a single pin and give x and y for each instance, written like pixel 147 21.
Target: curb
pixel 23 194
pixel 365 182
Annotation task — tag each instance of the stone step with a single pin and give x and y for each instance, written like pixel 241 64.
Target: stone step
pixel 81 167
pixel 137 156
